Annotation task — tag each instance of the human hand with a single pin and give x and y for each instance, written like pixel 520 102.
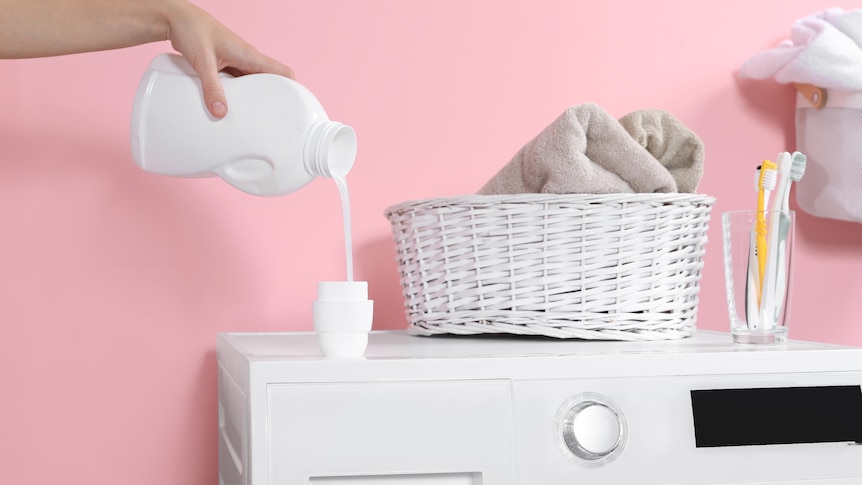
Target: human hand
pixel 210 47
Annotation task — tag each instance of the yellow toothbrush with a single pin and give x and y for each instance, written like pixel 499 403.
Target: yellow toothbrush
pixel 766 183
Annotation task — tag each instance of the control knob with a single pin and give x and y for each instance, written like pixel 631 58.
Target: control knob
pixel 593 428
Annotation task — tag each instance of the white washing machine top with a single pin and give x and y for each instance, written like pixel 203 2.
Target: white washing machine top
pixel 510 356
pixel 504 410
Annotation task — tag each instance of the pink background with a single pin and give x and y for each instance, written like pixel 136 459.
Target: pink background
pixel 115 281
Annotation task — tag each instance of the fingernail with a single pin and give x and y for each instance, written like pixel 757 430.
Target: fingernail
pixel 219 109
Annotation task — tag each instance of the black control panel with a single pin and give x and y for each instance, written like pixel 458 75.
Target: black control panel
pixel 780 415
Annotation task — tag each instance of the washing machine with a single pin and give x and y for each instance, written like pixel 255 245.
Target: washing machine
pixel 514 410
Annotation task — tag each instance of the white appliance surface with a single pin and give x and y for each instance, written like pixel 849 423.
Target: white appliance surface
pixel 505 410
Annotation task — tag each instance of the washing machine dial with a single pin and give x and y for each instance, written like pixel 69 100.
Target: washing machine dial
pixel 592 428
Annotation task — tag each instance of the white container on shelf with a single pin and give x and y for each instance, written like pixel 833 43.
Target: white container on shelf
pixel 829 133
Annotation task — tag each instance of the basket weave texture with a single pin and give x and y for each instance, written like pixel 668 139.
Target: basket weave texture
pixel 609 267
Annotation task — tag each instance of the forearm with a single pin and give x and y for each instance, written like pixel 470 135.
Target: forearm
pixel 39 28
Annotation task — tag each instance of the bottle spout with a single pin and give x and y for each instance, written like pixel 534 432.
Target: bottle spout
pixel 330 149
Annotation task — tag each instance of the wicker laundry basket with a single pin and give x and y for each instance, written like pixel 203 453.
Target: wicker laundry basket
pixel 610 267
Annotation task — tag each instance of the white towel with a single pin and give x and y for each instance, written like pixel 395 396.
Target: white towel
pixel 824 49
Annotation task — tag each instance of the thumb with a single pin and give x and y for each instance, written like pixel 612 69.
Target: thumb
pixel 213 93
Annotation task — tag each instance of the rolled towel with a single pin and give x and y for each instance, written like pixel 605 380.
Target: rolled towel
pixel 824 49
pixel 678 149
pixel 584 151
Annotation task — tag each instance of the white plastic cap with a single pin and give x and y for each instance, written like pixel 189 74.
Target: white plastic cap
pixel 342 315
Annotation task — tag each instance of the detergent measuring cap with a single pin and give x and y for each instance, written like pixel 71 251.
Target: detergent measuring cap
pixel 275 138
pixel 342 317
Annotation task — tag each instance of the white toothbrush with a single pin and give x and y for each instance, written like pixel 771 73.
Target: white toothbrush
pixel 797 170
pixel 791 168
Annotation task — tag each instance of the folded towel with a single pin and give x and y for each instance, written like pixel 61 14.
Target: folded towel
pixel 849 23
pixel 824 49
pixel 584 151
pixel 678 149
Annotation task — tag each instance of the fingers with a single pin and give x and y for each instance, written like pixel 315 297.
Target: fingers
pixel 215 100
pixel 245 59
pixel 214 97
pixel 262 63
pixel 211 47
pixel 213 93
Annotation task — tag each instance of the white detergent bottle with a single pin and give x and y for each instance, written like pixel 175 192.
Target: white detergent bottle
pixel 275 139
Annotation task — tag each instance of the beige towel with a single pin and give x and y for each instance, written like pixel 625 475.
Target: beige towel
pixel 676 147
pixel 586 150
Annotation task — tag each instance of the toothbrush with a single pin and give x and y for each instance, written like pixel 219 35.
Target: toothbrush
pixel 791 168
pixel 752 285
pixel 768 313
pixel 765 185
pixel 796 172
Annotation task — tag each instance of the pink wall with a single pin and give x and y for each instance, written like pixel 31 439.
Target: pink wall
pixel 115 281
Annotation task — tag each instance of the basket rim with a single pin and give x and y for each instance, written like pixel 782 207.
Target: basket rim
pixel 533 198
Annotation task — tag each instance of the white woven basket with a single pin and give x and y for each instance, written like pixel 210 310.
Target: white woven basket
pixel 611 267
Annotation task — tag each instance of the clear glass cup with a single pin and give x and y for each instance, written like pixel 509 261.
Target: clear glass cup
pixel 758 286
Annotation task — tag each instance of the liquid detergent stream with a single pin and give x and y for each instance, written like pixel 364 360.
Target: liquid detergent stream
pixel 342 313
pixel 341 182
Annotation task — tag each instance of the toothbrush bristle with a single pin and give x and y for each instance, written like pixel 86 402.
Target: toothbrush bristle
pixel 770 177
pixel 797 168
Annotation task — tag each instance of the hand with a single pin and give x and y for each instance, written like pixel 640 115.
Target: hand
pixel 210 47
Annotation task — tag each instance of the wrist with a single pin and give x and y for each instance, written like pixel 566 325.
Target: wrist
pixel 171 13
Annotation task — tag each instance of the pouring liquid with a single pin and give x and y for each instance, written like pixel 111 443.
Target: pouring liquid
pixel 341 183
